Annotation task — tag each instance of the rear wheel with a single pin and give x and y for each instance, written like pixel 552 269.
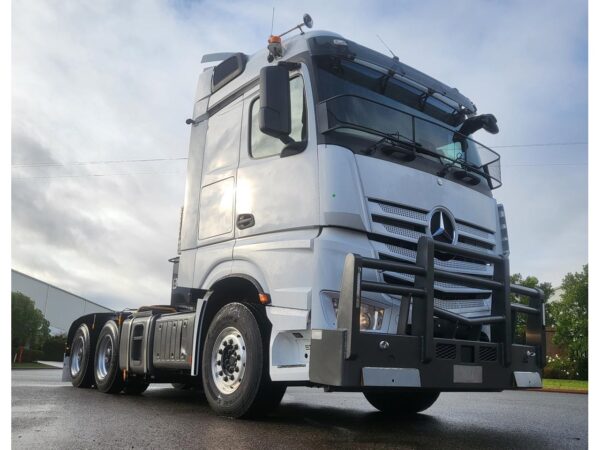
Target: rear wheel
pixel 106 361
pixel 401 403
pixel 81 362
pixel 235 370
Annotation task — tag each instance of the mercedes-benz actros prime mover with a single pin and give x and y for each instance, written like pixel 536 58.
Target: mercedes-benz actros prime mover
pixel 338 231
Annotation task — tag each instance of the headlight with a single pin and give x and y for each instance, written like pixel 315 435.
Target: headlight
pixel 371 317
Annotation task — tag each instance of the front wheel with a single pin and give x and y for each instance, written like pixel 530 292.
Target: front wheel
pixel 235 371
pixel 401 403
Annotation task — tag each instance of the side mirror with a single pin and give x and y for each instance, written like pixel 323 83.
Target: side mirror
pixel 490 123
pixel 486 121
pixel 275 107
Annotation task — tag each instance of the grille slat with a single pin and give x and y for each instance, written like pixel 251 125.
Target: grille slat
pixel 453 264
pixel 468 236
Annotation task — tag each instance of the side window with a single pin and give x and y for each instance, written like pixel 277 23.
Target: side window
pixel 263 145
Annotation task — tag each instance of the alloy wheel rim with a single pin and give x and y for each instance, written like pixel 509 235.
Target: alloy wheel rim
pixel 76 356
pixel 103 358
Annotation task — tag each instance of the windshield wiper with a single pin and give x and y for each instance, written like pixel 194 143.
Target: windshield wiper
pixel 397 143
pixel 393 143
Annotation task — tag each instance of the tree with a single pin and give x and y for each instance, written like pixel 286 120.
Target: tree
pixel 29 327
pixel 531 282
pixel 570 317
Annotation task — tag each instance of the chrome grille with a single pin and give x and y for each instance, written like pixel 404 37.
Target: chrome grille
pixel 396 229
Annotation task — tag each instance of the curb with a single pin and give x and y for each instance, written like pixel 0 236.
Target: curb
pixel 561 391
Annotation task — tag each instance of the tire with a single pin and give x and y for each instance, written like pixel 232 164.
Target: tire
pixel 401 403
pixel 237 345
pixel 81 362
pixel 106 360
pixel 135 387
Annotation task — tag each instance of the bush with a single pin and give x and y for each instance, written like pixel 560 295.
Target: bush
pixel 29 355
pixel 561 367
pixel 54 348
pixel 570 317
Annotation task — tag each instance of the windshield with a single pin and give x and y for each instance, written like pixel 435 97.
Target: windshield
pixel 359 99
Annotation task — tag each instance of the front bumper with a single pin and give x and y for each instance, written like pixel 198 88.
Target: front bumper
pixel 346 358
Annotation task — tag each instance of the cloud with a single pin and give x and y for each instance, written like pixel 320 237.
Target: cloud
pixel 97 81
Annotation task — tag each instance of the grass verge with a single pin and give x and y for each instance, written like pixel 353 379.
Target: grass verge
pixel 576 385
pixel 31 365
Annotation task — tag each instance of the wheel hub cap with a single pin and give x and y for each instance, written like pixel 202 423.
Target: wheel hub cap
pixel 228 360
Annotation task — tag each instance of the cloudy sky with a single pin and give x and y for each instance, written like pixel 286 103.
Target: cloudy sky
pixel 95 82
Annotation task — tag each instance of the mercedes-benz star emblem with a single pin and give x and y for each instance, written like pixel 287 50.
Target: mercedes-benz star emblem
pixel 442 227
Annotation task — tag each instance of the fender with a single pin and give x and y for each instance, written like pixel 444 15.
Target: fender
pixel 94 321
pixel 201 322
pixel 237 268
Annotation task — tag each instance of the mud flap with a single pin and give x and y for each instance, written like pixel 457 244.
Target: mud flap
pixel 66 374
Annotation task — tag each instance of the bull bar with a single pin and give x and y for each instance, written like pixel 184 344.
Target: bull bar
pixel 351 358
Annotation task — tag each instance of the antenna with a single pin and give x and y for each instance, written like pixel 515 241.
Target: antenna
pixel 272 20
pixel 389 49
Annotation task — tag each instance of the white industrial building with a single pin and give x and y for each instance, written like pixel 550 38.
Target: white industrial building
pixel 59 307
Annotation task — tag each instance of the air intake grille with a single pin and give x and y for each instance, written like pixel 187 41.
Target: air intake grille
pixel 395 232
pixel 487 353
pixel 445 351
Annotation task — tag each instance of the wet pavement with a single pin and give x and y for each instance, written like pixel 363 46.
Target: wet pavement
pixel 48 413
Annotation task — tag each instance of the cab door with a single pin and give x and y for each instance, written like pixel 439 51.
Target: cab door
pixel 278 192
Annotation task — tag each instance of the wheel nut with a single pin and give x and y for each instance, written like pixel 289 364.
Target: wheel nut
pixel 230 341
pixel 218 363
pixel 239 357
pixel 221 372
pixel 237 369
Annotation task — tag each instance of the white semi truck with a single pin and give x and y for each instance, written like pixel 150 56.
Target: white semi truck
pixel 338 231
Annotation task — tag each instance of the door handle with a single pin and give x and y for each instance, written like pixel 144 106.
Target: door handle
pixel 245 221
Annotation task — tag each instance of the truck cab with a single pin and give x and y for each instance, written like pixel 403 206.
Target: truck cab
pixel 338 231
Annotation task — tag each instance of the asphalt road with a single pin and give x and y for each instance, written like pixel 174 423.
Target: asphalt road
pixel 47 413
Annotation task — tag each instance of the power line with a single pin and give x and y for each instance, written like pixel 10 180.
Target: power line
pixel 84 163
pixel 95 175
pixel 182 158
pixel 181 173
pixel 542 165
pixel 550 144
